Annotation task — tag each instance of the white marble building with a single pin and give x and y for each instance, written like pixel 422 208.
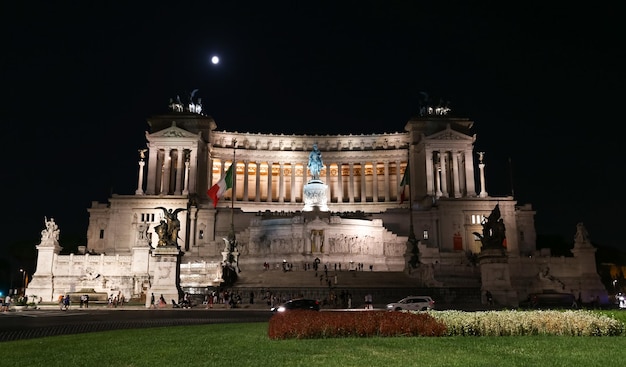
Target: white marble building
pixel 364 220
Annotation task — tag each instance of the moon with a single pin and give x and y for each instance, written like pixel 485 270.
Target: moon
pixel 215 60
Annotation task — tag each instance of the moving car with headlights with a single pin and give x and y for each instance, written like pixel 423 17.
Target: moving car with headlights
pixel 413 303
pixel 298 304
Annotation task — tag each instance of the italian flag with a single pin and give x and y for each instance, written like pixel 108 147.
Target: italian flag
pixel 406 180
pixel 226 182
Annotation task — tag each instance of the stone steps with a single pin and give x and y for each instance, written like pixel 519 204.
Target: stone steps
pixel 385 287
pixel 308 278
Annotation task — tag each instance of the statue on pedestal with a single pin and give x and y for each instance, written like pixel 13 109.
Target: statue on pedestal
pixel 315 163
pixel 315 190
pixel 493 231
pixel 51 231
pixel 169 227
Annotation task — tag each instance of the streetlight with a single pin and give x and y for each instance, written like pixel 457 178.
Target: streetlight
pixel 23 286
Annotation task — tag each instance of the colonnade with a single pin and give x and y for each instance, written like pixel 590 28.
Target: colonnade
pixel 170 172
pixel 450 173
pixel 351 182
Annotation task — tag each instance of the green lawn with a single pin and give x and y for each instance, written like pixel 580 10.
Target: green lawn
pixel 248 345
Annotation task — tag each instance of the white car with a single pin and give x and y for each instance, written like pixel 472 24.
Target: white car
pixel 413 303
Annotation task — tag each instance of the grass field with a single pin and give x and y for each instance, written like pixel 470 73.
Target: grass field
pixel 248 345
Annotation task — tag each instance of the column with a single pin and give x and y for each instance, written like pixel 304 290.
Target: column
pixel 161 172
pixel 233 191
pixel 152 171
pixel 351 182
pixel 481 166
pixel 443 157
pixel 469 173
pixel 293 196
pixel 179 171
pixel 222 169
pixel 186 185
pixel 363 183
pixel 139 190
pixel 455 174
pixel 193 170
pixel 399 180
pixel 430 189
pixel 438 176
pixel 281 182
pixel 329 193
pixel 386 182
pixel 257 198
pixel 339 183
pixel 375 181
pixel 269 182
pixel 245 179
pixel 167 169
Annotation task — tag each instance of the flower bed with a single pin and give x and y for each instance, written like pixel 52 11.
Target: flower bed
pixel 304 324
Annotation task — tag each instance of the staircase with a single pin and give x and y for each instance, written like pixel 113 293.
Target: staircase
pixel 385 287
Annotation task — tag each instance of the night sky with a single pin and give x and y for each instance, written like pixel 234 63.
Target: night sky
pixel 544 86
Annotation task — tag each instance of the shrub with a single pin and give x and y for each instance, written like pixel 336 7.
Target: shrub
pixel 517 323
pixel 305 324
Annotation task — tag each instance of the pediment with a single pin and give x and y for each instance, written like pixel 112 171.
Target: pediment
pixel 173 132
pixel 449 134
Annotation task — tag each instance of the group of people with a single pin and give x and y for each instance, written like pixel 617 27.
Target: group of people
pixel 117 300
pixel 160 304
pixel 84 301
pixel 64 302
pixel 5 304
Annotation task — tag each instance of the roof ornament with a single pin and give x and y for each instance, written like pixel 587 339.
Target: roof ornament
pixel 428 108
pixel 177 105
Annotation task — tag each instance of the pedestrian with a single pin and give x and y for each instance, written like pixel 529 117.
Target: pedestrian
pixel 209 300
pixel 152 305
pixel 66 302
pixel 369 302
pixel 162 302
pixel 6 304
pixel 489 298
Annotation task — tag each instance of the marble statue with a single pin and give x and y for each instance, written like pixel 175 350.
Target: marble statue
pixel 51 231
pixel 582 236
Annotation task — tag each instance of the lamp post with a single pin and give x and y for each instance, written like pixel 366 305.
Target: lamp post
pixel 23 285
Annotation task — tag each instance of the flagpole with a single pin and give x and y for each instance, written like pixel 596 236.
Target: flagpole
pixel 231 233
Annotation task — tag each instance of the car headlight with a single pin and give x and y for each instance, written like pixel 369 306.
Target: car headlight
pixel 281 309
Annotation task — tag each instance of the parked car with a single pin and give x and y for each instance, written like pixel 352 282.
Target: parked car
pixel 413 303
pixel 298 304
